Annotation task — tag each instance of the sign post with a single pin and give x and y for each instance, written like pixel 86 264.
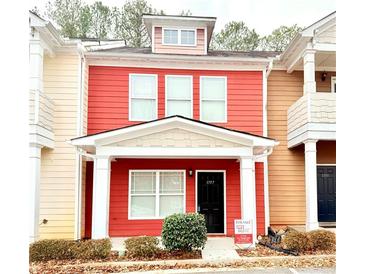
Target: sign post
pixel 243 232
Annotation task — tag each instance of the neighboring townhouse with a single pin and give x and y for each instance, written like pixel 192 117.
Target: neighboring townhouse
pixel 302 117
pixel 122 137
pixel 56 73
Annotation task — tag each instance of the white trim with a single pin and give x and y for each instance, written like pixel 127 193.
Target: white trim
pixel 326 164
pixel 130 95
pixel 153 39
pixel 206 40
pixel 333 83
pixel 179 29
pixel 191 96
pixel 200 98
pixel 157 194
pixel 325 47
pixel 186 18
pixel 224 193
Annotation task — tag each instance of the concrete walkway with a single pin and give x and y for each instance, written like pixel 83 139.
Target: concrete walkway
pixel 219 248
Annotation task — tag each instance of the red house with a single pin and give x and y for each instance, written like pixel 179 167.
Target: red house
pixel 175 128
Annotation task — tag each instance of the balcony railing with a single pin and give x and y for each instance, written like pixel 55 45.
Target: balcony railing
pixel 311 110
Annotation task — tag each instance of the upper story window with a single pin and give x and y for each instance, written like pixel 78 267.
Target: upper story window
pixel 179 95
pixel 213 99
pixel 179 37
pixel 143 97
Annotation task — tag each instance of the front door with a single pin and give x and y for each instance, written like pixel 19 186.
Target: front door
pixel 211 200
pixel 326 193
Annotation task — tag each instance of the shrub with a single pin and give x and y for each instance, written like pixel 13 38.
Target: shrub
pixel 184 231
pixel 322 239
pixel 298 241
pixel 93 249
pixel 142 247
pixel 46 250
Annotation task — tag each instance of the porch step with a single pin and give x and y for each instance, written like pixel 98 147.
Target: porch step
pixel 221 248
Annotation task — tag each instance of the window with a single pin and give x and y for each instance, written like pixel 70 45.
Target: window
pixel 143 97
pixel 179 99
pixel 187 37
pixel 182 37
pixel 213 98
pixel 156 194
pixel 333 84
pixel 170 36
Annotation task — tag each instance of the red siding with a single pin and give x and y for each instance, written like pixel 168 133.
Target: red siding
pixel 109 96
pixel 120 226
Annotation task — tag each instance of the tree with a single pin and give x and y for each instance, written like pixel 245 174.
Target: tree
pixel 66 14
pixel 131 28
pixel 279 38
pixel 236 36
pixel 186 13
pixel 100 24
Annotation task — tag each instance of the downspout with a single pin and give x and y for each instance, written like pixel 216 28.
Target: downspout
pixel 78 186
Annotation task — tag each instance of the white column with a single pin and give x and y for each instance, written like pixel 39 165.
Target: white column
pixel 101 194
pixel 311 184
pixel 309 71
pixel 248 192
pixel 36 71
pixel 34 176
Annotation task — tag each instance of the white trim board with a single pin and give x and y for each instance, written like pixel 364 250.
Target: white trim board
pixel 224 193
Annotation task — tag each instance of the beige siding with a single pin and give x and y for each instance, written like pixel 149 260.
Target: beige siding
pixel 176 138
pixel 324 86
pixel 326 152
pixel 58 165
pixel 286 166
pixel 199 49
pixel 328 36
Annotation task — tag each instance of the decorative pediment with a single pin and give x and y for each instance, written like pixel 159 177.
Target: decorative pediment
pixel 176 138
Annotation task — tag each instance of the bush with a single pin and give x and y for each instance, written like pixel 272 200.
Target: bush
pixel 298 241
pixel 46 250
pixel 184 231
pixel 142 247
pixel 322 239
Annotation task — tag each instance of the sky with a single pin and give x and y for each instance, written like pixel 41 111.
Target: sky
pixel 261 15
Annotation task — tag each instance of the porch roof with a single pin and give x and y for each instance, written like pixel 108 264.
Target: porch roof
pixel 104 141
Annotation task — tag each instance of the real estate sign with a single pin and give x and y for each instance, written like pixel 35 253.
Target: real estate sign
pixel 243 231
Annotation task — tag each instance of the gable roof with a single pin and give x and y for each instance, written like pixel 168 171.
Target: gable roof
pixel 134 131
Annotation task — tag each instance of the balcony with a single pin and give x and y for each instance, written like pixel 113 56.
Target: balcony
pixel 312 117
pixel 41 116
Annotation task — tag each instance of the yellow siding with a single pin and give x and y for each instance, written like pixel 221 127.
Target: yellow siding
pixel 58 165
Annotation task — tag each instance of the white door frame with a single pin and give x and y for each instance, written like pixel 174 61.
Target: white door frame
pixel 224 196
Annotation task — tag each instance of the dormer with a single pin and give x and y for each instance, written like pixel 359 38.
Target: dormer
pixel 173 34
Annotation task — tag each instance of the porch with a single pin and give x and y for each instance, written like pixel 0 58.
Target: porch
pixel 167 157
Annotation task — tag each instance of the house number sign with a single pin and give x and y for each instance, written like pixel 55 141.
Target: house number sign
pixel 210 182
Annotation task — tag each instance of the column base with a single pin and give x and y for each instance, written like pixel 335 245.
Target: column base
pixel 311 226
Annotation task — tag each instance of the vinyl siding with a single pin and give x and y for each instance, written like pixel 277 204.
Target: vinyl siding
pixel 108 104
pixel 286 166
pixel 58 165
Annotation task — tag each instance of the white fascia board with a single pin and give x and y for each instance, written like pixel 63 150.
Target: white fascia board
pixel 309 31
pixel 325 47
pixel 315 131
pixel 178 57
pixel 173 152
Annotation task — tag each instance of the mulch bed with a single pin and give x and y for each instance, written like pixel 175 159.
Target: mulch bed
pixel 293 262
pixel 263 251
pixel 167 255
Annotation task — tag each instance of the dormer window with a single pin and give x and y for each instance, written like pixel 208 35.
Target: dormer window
pixel 179 37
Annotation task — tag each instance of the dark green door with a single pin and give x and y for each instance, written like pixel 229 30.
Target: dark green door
pixel 326 193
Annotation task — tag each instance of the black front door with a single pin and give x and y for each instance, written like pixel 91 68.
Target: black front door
pixel 326 192
pixel 211 200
